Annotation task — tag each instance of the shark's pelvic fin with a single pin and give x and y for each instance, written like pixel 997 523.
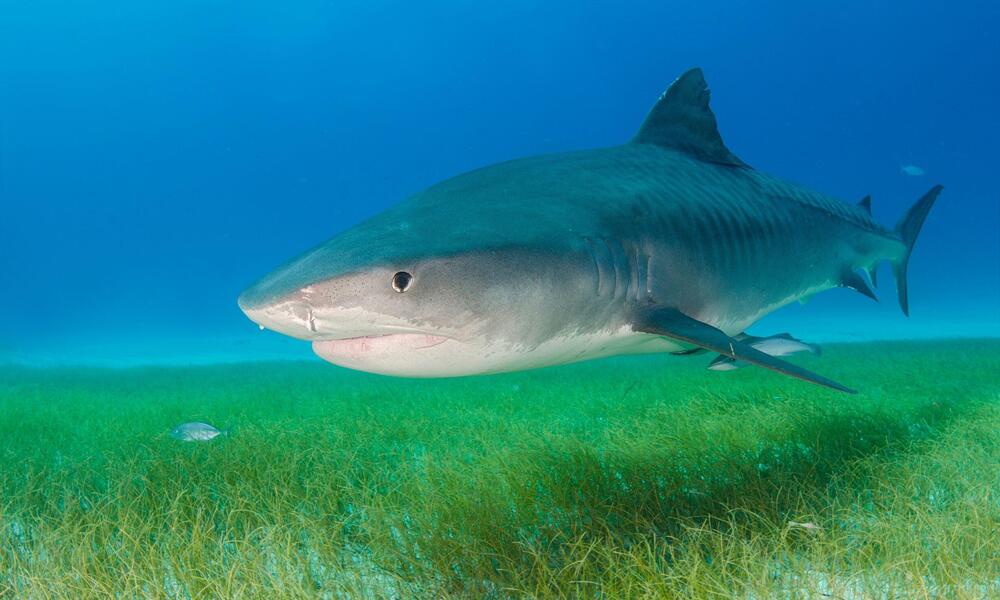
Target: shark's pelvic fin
pixel 856 282
pixel 866 204
pixel 672 323
pixel 907 229
pixel 682 120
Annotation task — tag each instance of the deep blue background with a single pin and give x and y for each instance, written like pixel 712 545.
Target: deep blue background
pixel 156 157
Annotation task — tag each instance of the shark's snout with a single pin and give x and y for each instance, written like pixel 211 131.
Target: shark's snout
pixel 352 336
pixel 290 315
pixel 249 301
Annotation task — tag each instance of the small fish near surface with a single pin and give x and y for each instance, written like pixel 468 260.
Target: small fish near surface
pixel 195 432
pixel 911 170
pixel 668 243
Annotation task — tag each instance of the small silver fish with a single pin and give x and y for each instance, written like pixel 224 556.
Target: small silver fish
pixel 195 432
pixel 781 344
pixel 911 170
pixel 807 526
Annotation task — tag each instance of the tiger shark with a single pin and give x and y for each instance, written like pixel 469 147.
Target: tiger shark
pixel 667 243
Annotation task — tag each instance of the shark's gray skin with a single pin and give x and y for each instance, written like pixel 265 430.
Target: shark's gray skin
pixel 667 243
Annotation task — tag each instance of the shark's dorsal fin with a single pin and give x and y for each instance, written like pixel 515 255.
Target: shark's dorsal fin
pixel 682 120
pixel 866 204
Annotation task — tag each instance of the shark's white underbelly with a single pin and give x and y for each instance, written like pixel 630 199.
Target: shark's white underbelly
pixel 407 356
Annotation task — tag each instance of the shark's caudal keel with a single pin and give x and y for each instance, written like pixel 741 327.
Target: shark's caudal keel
pixel 669 243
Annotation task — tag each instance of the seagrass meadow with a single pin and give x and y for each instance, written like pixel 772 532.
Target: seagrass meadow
pixel 638 477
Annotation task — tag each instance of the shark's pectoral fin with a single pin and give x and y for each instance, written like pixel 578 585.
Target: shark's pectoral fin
pixel 672 323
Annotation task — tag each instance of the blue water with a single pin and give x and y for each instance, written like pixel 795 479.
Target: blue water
pixel 155 158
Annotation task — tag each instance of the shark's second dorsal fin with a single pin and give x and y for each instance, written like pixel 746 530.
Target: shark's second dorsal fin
pixel 682 120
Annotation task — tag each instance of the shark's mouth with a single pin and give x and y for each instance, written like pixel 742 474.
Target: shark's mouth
pixel 356 347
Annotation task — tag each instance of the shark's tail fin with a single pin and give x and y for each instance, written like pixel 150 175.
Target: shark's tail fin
pixel 907 230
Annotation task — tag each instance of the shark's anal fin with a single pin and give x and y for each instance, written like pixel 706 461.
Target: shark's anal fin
pixel 672 323
pixel 682 120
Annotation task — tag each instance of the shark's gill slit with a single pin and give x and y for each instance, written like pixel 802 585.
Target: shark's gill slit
pixel 642 266
pixel 649 270
pixel 635 275
pixel 624 263
pixel 612 268
pixel 615 268
pixel 592 250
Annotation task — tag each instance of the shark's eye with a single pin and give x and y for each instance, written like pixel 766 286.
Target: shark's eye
pixel 401 281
